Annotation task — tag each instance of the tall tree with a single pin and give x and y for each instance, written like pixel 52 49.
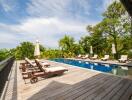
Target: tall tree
pixel 112 23
pixel 26 49
pixel 67 45
pixel 85 43
pixel 96 39
pixel 114 26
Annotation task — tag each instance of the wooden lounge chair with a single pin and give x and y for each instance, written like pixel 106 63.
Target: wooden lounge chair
pixel 94 57
pixel 44 64
pixel 46 72
pixel 27 65
pixel 31 64
pixel 28 68
pixel 44 69
pixel 85 57
pixel 106 57
pixel 123 58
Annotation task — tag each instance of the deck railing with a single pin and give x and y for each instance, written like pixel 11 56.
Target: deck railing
pixel 5 67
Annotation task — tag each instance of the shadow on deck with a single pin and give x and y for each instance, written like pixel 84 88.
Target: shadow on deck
pixel 98 87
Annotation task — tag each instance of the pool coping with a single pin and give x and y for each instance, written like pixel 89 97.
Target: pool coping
pixel 103 62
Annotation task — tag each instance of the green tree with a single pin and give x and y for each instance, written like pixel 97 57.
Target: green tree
pixel 112 23
pixel 85 43
pixel 112 29
pixel 97 40
pixel 26 49
pixel 4 53
pixel 68 46
pixel 52 53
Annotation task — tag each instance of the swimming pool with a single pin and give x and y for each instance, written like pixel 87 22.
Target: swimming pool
pixel 108 68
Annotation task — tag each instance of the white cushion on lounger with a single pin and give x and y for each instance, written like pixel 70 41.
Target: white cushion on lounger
pixel 106 57
pixel 95 56
pixel 52 69
pixel 44 63
pixel 30 62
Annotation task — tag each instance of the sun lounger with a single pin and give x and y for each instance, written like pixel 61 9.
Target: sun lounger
pixel 27 65
pixel 79 56
pixel 32 64
pixel 106 57
pixel 94 57
pixel 40 65
pixel 85 57
pixel 44 64
pixel 44 72
pixel 123 58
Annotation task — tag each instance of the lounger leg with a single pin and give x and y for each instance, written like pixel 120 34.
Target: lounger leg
pixel 24 81
pixel 33 80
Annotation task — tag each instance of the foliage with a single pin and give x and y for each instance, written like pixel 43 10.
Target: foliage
pixel 52 53
pixel 97 40
pixel 26 49
pixel 114 28
pixel 4 53
pixel 68 46
pixel 85 43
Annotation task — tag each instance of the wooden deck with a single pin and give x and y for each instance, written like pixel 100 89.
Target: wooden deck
pixel 76 84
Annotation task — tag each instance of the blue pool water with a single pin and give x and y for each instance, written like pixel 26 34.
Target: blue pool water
pixel 108 68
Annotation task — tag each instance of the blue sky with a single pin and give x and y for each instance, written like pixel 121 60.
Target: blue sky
pixel 47 20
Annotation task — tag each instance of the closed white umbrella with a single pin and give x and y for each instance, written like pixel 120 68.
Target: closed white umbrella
pixel 113 49
pixel 37 50
pixel 91 50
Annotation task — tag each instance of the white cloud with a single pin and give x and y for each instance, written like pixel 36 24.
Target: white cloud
pixel 47 30
pixel 47 8
pixel 50 30
pixel 58 8
pixel 48 21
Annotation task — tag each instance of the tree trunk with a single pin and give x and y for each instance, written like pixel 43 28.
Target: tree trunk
pixel 115 42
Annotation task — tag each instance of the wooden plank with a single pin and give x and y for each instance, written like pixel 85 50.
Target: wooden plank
pixel 122 90
pixel 128 94
pixel 51 88
pixel 102 88
pixel 89 94
pixel 75 86
pixel 77 77
pixel 78 85
pixel 81 91
pixel 114 91
pixel 75 72
pixel 58 90
pixel 106 90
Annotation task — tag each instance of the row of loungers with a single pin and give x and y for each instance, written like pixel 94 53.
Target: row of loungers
pixel 123 58
pixel 33 70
